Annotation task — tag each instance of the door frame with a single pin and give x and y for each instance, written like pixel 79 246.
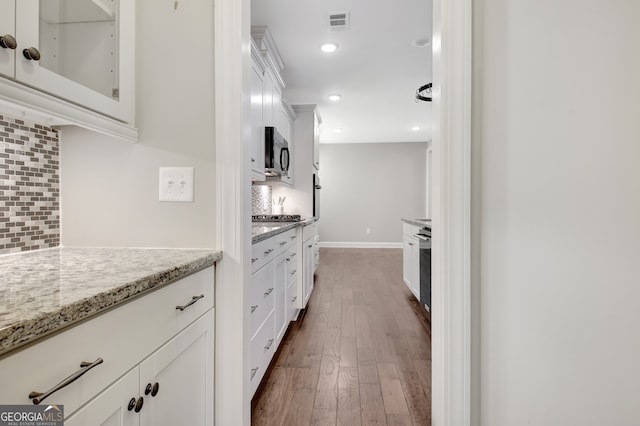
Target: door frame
pixel 453 401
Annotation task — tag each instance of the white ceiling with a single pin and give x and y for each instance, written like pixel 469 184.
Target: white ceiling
pixel 376 68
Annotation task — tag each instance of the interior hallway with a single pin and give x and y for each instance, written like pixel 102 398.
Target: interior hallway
pixel 361 354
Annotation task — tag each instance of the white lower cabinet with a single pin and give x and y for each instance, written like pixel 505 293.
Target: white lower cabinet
pixel 411 260
pixel 272 283
pixel 173 386
pixel 110 408
pixel 145 341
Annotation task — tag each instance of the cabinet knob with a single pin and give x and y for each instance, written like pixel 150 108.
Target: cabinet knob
pixel 152 389
pixel 8 42
pixel 31 54
pixel 253 308
pixel 132 404
pixel 139 404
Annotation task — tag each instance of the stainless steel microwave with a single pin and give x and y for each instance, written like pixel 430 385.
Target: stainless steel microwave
pixel 276 153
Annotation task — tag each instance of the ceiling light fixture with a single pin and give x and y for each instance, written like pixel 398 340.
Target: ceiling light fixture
pixel 415 128
pixel 329 47
pixel 335 97
pixel 339 130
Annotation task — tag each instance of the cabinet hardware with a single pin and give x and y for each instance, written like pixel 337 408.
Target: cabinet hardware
pixel 38 397
pixel 410 244
pixel 268 251
pixel 254 371
pixel 269 343
pixel 294 272
pixel 8 42
pixel 194 299
pixel 31 54
pixel 293 238
pixel 253 160
pixel 139 404
pixel 268 292
pixel 293 299
pixel 254 259
pixel 310 245
pixel 293 255
pixel 132 403
pixel 253 308
pixel 288 259
pixel 282 243
pixel 152 389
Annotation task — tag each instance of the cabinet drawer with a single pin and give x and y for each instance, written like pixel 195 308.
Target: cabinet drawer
pixel 310 231
pixel 261 253
pixel 263 347
pixel 292 265
pixel 408 229
pixel 284 241
pixel 292 299
pixel 122 337
pixel 262 296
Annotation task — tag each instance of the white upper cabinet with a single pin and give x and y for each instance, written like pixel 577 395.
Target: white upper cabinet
pixel 257 115
pixel 80 51
pixel 7 37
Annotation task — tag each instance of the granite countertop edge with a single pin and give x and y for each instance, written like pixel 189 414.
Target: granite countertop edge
pixel 42 325
pixel 418 222
pixel 279 228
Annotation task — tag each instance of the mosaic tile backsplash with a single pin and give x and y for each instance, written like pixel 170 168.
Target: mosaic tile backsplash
pixel 29 186
pixel 261 199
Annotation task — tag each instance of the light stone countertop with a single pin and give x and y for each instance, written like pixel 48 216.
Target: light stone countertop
pixel 43 291
pixel 263 230
pixel 418 222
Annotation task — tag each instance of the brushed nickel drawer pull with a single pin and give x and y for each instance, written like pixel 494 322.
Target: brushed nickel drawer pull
pixel 268 292
pixel 267 252
pixel 194 299
pixel 253 308
pixel 282 243
pixel 253 372
pixel 293 238
pixel 269 343
pixel 293 299
pixel 294 272
pixel 254 259
pixel 38 397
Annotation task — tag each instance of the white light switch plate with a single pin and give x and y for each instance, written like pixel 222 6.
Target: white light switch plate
pixel 176 184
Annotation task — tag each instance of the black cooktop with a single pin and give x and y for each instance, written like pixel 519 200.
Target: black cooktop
pixel 276 218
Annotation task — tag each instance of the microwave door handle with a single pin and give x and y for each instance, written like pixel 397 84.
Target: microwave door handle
pixel 285 168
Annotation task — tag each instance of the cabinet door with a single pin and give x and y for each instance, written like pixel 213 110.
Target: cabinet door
pixel 183 371
pixel 82 51
pixel 110 408
pixel 281 281
pixel 7 27
pixel 257 126
pixel 307 270
pixel 267 99
pixel 406 260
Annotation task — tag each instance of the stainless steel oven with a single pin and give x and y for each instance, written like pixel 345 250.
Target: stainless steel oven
pixel 424 236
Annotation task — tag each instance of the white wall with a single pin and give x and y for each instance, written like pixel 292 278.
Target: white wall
pixel 556 148
pixel 109 189
pixel 370 186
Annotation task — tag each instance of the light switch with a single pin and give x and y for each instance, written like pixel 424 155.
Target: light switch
pixel 176 184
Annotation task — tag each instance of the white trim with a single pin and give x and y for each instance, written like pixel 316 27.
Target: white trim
pixel 451 325
pixel 232 58
pixel 340 244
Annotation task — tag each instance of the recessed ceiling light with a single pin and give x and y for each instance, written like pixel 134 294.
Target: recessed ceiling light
pixel 339 130
pixel 422 42
pixel 335 97
pixel 329 47
pixel 415 128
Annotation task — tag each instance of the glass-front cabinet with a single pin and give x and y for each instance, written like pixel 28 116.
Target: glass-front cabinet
pixel 78 50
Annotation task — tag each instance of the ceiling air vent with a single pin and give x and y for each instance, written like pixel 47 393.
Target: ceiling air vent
pixel 339 20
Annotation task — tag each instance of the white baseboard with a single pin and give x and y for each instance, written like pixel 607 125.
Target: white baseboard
pixel 340 244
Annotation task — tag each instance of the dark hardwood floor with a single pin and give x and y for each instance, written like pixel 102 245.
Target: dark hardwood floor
pixel 360 356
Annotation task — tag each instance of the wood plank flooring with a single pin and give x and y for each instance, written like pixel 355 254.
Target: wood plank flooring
pixel 360 356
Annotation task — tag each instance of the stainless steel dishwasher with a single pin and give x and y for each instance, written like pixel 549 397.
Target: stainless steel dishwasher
pixel 424 236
